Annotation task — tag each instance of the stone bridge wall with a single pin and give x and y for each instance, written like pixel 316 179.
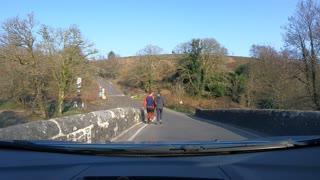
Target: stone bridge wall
pixel 94 127
pixel 267 122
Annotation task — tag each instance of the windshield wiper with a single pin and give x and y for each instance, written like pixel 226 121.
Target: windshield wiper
pixel 157 149
pixel 233 148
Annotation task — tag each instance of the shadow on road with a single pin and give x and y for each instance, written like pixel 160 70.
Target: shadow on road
pixel 247 133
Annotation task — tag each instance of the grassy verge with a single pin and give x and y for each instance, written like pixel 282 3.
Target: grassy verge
pixel 9 105
pixel 181 108
pixel 72 111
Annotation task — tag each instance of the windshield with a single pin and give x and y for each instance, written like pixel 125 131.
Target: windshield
pixel 159 71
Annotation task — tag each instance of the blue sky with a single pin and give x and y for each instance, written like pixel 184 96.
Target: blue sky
pixel 126 26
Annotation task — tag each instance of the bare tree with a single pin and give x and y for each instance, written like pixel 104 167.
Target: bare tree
pixel 263 52
pixel 147 69
pixel 18 44
pixel 67 53
pixel 270 82
pixel 302 35
pixel 110 67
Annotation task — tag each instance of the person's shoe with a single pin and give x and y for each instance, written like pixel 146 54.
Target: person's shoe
pixel 160 122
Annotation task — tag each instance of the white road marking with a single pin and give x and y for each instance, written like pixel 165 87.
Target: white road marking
pixel 136 133
pixel 124 132
pixel 139 130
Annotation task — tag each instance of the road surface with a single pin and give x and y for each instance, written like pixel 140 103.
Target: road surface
pixel 182 127
pixel 175 127
pixel 115 98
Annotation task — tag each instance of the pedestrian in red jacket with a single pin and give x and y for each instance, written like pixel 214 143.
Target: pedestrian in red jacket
pixel 149 104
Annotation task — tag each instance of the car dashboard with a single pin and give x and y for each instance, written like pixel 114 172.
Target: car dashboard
pixel 297 163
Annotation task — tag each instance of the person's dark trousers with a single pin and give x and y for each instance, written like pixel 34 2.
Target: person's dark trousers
pixel 159 115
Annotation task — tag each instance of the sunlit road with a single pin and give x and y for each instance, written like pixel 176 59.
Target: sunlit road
pixel 115 98
pixel 109 88
pixel 181 127
pixel 175 127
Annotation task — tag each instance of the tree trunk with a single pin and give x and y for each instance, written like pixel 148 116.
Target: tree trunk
pixel 60 101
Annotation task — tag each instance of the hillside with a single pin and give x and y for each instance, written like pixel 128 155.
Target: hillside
pixel 173 95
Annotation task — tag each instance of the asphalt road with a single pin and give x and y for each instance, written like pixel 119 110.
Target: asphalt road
pixel 175 127
pixel 182 127
pixel 115 98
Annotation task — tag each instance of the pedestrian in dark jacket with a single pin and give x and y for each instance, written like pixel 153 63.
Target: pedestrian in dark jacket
pixel 159 101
